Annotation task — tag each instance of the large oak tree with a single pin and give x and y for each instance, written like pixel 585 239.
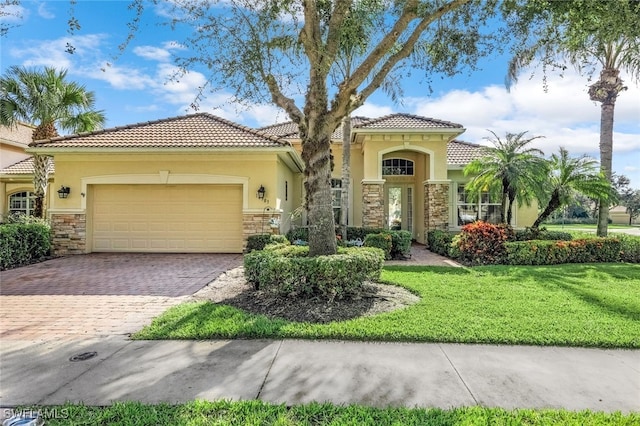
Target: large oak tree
pixel 285 52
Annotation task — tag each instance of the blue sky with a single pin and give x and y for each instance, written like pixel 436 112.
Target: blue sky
pixel 135 86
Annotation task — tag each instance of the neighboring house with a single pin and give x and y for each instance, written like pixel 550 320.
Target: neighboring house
pixel 199 183
pixel 619 216
pixel 16 170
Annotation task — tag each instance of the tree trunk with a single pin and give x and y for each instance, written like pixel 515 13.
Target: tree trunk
pixel 605 91
pixel 552 206
pixel 41 167
pixel 322 237
pixel 346 176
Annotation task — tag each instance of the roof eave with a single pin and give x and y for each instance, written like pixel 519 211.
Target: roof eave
pixel 448 130
pixel 126 150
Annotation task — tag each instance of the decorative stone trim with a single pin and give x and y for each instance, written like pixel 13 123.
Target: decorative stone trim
pixel 69 233
pixel 372 205
pixel 257 223
pixel 436 207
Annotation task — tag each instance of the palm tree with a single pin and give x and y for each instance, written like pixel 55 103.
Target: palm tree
pixel 587 34
pixel 570 176
pixel 45 99
pixel 509 168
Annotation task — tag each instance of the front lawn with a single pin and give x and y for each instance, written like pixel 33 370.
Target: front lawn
pixel 591 305
pixel 261 413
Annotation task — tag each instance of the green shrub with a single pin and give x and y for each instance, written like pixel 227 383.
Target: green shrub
pixel 301 234
pixel 538 252
pixel 482 243
pixel 289 271
pixel 279 239
pixel 528 234
pixel 400 244
pixel 257 242
pixel 21 244
pixel 383 241
pixel 630 248
pixel 354 233
pixel 440 242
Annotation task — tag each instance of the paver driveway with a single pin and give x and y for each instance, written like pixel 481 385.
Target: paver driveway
pixel 100 293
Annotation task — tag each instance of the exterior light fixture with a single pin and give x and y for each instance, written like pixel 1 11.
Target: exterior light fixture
pixel 261 193
pixel 64 191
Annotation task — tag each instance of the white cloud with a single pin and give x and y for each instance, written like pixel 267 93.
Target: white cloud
pixel 13 13
pixel 44 12
pixel 372 110
pixel 153 53
pixel 564 114
pixel 52 53
pixel 119 77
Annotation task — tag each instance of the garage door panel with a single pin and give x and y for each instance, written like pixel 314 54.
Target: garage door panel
pixel 175 218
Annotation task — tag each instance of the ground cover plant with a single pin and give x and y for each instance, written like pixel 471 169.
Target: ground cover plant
pixel 591 305
pixel 261 413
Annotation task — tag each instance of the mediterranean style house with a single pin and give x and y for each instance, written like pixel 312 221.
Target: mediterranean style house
pixel 200 183
pixel 16 170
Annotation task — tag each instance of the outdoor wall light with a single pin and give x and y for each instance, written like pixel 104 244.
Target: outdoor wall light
pixel 261 193
pixel 64 191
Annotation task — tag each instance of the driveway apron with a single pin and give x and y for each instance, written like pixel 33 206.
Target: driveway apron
pixel 100 294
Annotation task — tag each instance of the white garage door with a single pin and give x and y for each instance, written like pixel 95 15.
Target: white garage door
pixel 167 218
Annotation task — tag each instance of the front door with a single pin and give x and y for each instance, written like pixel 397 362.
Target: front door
pixel 399 207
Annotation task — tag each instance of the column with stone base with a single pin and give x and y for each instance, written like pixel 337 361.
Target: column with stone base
pixel 373 204
pixel 436 209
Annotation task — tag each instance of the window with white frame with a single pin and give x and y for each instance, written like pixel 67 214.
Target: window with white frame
pixel 397 167
pixel 22 203
pixel 336 197
pixel 471 209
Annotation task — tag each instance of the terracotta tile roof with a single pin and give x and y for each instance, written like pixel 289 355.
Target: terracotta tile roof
pixel 462 153
pixel 289 130
pixel 24 167
pixel 281 130
pixel 407 121
pixel 191 131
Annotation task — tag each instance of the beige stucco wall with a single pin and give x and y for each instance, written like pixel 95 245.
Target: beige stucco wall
pixel 79 170
pixel 11 154
pixel 377 145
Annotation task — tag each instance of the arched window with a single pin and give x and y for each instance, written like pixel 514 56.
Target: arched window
pixel 397 167
pixel 22 203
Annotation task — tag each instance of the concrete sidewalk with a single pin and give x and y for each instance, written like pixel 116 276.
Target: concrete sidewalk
pixel 292 372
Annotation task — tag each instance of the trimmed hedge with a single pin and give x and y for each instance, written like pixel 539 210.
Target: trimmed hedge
pixel 21 244
pixel 400 244
pixel 537 252
pixel 440 242
pixel 529 234
pixel 630 250
pixel 289 271
pixel 382 241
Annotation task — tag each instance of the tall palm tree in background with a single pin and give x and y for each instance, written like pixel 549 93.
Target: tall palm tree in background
pixel 45 99
pixel 509 168
pixel 589 34
pixel 569 177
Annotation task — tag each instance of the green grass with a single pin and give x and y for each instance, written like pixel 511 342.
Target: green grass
pixel 591 305
pixel 260 413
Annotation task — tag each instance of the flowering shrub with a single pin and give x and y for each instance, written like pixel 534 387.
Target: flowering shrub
pixel 482 243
